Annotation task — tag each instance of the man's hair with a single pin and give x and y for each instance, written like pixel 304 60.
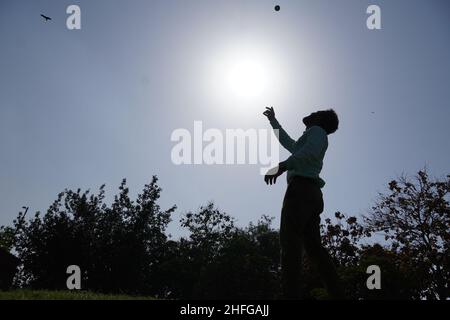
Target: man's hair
pixel 329 121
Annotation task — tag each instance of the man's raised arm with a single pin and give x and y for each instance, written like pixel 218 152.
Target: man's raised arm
pixel 286 141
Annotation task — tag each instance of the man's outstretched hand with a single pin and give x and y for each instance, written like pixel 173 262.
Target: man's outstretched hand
pixel 269 113
pixel 272 175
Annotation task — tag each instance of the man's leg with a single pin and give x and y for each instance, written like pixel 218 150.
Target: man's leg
pixel 291 254
pixel 294 217
pixel 321 259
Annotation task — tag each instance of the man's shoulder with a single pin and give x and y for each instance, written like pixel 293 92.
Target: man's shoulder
pixel 317 131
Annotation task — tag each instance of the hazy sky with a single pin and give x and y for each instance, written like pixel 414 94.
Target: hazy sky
pixel 86 107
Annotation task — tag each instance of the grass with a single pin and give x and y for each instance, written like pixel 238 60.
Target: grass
pixel 63 295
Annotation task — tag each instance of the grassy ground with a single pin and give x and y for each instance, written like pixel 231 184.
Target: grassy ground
pixel 63 295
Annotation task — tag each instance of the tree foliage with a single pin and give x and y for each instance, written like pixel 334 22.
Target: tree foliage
pixel 117 247
pixel 414 218
pixel 123 247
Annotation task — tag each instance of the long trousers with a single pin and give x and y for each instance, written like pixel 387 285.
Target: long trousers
pixel 300 230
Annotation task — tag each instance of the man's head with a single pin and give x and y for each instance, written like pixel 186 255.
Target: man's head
pixel 326 119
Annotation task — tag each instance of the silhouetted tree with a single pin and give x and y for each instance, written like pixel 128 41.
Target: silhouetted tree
pixel 209 229
pixel 245 267
pixel 123 247
pixel 414 217
pixel 8 262
pixel 343 238
pixel 219 260
pixel 6 238
pixel 116 247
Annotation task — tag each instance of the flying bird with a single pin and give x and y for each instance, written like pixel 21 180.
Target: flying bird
pixel 46 18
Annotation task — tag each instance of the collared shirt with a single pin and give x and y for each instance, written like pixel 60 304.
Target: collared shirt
pixel 307 152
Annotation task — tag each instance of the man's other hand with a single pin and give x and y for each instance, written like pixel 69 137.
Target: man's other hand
pixel 272 175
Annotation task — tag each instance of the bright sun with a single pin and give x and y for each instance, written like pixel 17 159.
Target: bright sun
pixel 245 74
pixel 245 77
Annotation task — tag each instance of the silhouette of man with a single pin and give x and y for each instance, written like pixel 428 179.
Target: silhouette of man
pixel 303 202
